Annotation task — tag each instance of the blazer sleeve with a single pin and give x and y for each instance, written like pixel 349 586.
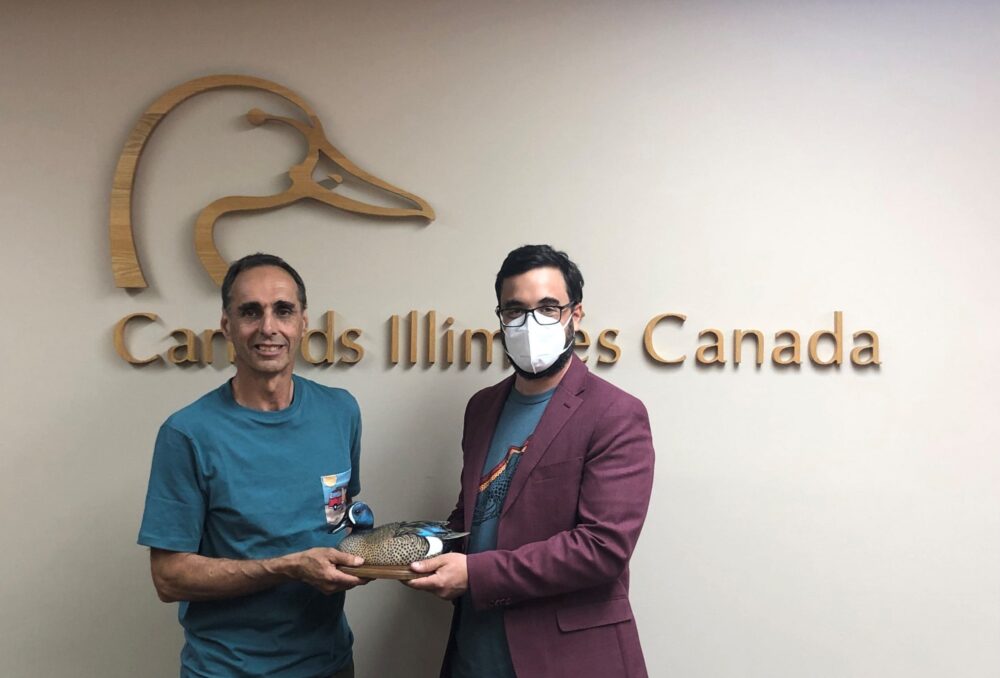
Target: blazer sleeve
pixel 456 520
pixel 614 495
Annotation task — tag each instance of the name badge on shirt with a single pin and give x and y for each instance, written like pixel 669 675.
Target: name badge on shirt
pixel 335 496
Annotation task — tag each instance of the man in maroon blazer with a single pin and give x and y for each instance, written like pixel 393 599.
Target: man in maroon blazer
pixel 558 468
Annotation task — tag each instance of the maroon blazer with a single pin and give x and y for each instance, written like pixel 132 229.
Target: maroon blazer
pixel 567 529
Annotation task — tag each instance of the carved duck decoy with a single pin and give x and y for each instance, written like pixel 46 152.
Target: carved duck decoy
pixel 399 543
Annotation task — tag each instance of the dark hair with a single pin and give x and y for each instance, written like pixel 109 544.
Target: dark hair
pixel 529 257
pixel 255 261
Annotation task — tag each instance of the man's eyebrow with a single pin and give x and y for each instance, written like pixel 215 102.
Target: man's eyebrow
pixel 284 304
pixel 545 301
pixel 248 306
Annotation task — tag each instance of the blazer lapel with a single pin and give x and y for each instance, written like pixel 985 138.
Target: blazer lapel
pixel 564 403
pixel 478 444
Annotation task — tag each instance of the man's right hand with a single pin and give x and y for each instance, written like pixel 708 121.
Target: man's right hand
pixel 318 568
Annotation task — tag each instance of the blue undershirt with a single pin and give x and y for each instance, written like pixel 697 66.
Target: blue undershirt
pixel 481 649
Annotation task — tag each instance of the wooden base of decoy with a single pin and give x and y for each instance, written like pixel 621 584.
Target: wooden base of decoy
pixel 400 572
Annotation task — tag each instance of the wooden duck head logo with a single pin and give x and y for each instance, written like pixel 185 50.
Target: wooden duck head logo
pixel 303 185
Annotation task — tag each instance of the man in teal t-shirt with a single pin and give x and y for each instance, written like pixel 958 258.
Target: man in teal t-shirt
pixel 246 485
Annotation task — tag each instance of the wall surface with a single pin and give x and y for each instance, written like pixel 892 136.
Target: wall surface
pixel 746 164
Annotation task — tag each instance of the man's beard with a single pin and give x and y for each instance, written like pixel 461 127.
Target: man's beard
pixel 554 367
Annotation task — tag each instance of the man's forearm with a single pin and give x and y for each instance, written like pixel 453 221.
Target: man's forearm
pixel 189 576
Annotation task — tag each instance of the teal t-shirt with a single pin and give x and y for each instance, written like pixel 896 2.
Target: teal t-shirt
pixel 231 482
pixel 481 649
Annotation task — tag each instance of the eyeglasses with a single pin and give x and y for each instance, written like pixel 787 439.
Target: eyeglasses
pixel 544 315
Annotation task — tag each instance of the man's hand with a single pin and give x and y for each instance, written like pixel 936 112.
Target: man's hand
pixel 318 568
pixel 447 575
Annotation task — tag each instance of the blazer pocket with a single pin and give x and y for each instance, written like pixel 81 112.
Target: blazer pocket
pixel 558 470
pixel 591 615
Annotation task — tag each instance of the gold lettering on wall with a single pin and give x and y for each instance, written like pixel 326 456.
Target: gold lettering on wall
pixel 449 342
pixel 208 339
pixel 795 348
pixel 327 335
pixel 302 184
pixel 837 335
pixel 431 343
pixel 606 341
pixel 857 354
pixel 187 350
pixel 713 353
pixel 413 337
pixel 426 340
pixel 647 338
pixel 487 343
pixel 784 353
pixel 122 348
pixel 738 336
pixel 347 340
pixel 394 339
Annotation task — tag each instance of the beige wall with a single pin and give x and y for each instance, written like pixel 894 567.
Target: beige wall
pixel 746 164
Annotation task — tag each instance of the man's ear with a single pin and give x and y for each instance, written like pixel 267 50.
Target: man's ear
pixel 577 315
pixel 305 321
pixel 224 324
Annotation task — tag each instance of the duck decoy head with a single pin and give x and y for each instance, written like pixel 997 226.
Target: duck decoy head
pixel 359 516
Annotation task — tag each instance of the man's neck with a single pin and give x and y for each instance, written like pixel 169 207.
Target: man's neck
pixel 265 392
pixel 530 387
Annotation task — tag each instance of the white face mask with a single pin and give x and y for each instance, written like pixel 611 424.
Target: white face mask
pixel 535 347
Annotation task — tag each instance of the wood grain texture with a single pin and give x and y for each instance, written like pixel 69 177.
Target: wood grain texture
pixel 120 346
pixel 303 185
pixel 400 572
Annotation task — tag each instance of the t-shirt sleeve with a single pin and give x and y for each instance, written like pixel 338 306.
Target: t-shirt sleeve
pixel 354 487
pixel 174 516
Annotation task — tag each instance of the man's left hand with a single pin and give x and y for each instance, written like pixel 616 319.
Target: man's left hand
pixel 447 575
